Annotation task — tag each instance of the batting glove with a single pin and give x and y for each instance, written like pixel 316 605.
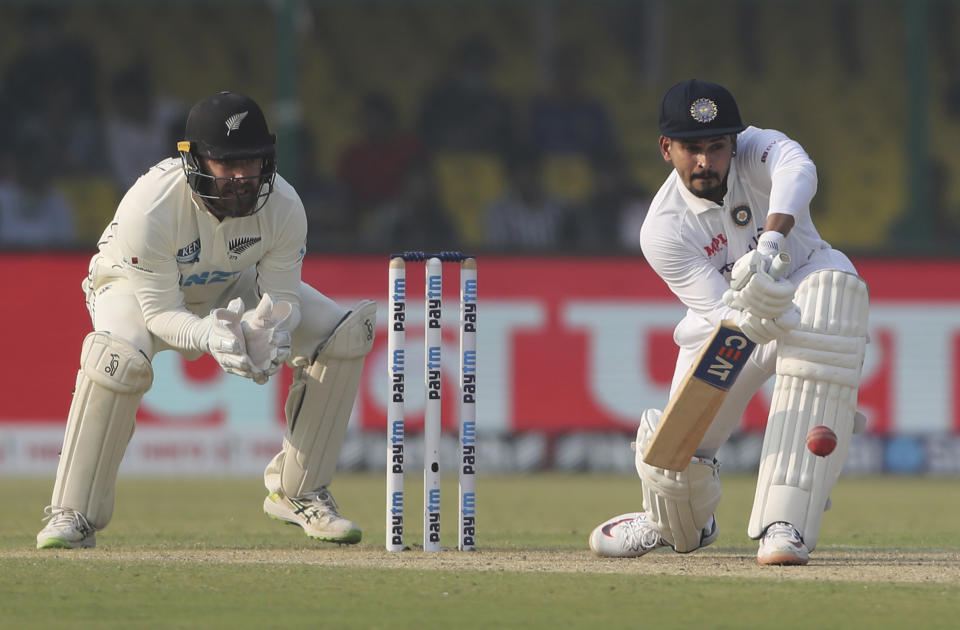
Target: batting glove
pixel 763 330
pixel 762 295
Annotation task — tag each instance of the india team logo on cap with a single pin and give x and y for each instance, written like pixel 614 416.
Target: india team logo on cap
pixel 703 110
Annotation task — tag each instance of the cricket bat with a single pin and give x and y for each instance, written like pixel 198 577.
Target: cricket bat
pixel 694 405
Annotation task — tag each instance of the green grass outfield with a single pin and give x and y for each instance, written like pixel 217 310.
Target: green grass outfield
pixel 189 553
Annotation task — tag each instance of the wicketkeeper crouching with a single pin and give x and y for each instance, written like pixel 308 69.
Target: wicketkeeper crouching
pixel 204 255
pixel 739 196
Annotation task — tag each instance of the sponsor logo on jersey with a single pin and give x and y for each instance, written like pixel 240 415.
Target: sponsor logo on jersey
pixel 242 244
pixel 207 277
pixel 766 152
pixel 741 215
pixel 189 253
pixel 716 245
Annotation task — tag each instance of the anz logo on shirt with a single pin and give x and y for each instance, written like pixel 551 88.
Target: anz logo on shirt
pixel 207 277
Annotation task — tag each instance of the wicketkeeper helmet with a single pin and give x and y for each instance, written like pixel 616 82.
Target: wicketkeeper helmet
pixel 228 126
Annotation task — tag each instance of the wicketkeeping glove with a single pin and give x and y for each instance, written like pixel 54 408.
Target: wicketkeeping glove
pixel 267 343
pixel 225 339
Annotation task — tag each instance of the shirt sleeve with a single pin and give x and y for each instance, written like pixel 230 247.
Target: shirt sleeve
pixel 279 270
pixel 145 240
pixel 785 164
pixel 688 272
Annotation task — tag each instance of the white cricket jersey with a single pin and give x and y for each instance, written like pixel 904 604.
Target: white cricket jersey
pixel 180 257
pixel 692 243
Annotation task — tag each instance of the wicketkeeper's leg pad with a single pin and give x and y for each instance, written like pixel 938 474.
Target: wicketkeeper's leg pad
pixel 818 375
pixel 319 404
pixel 681 504
pixel 112 379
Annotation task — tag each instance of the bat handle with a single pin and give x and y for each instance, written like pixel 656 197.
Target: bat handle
pixel 779 265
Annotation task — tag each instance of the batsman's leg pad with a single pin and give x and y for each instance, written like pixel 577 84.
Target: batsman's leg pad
pixel 112 379
pixel 818 375
pixel 319 404
pixel 681 504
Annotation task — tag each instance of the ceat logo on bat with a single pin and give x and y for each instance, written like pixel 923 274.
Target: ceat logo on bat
pixel 725 357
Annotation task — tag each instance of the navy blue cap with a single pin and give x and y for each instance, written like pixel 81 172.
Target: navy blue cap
pixel 697 109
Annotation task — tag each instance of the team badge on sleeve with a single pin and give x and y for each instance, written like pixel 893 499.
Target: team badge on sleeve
pixel 703 110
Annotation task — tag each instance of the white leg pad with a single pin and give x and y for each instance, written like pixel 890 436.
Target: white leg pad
pixel 818 375
pixel 319 404
pixel 681 504
pixel 112 379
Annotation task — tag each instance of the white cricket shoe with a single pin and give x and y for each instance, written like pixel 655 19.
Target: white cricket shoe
pixel 65 529
pixel 316 512
pixel 782 544
pixel 632 535
pixel 626 536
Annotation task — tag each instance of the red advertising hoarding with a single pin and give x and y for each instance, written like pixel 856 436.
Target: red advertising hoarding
pixel 565 344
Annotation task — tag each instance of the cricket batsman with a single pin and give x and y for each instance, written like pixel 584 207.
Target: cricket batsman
pixel 203 256
pixel 737 197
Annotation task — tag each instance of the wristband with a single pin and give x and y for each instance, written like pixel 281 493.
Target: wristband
pixel 769 243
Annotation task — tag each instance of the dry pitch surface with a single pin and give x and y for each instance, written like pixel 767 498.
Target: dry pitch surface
pixel 844 565
pixel 544 535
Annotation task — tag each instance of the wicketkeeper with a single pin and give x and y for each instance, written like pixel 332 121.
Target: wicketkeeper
pixel 737 197
pixel 204 256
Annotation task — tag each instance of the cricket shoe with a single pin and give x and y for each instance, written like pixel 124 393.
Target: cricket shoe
pixel 782 544
pixel 65 529
pixel 632 535
pixel 626 536
pixel 317 513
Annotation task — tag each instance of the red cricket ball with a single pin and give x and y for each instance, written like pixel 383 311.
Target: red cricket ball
pixel 821 440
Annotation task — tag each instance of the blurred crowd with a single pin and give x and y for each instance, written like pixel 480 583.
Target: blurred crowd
pixel 66 160
pixel 476 170
pixel 473 170
pixel 515 127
